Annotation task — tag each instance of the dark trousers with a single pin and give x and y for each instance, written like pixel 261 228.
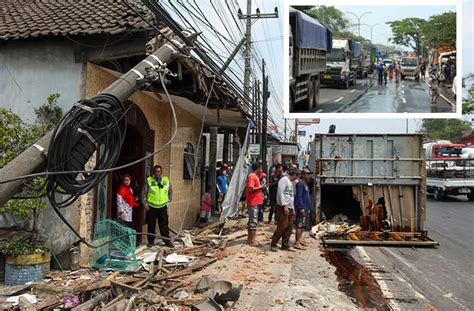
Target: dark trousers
pixel 272 211
pixel 162 215
pixel 284 227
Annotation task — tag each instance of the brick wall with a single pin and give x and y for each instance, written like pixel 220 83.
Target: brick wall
pixel 159 117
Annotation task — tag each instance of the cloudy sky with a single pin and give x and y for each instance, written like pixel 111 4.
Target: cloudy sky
pixel 468 36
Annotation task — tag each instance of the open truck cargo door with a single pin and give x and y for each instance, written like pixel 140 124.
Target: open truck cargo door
pixel 375 183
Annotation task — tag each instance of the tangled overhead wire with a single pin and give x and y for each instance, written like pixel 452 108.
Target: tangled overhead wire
pixel 93 125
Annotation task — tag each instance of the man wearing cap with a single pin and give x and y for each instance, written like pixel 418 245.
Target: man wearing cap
pixel 302 206
pixel 285 205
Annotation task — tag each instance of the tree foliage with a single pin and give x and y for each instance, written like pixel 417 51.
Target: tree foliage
pixel 15 137
pixel 444 129
pixel 408 32
pixel 440 31
pixel 468 102
pixel 416 33
pixel 330 16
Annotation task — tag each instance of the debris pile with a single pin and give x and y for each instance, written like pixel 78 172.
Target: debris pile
pixel 162 282
pixel 338 225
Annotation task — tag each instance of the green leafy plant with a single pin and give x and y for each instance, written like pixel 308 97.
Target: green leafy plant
pixel 15 137
pixel 19 246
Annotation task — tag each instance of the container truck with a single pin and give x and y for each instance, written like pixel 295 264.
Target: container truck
pixel 359 59
pixel 376 181
pixel 340 68
pixel 310 41
pixel 448 172
pixel 409 68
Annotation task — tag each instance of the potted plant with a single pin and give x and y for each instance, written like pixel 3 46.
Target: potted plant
pixel 25 260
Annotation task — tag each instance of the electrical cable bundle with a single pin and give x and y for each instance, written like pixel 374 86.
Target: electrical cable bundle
pixel 92 125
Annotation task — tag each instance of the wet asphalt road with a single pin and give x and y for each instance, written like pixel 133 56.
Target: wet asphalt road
pixel 406 96
pixel 440 278
pixel 333 98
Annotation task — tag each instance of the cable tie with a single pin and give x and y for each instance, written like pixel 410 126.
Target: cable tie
pixel 151 64
pixel 178 43
pixel 171 48
pixel 85 107
pixel 81 130
pixel 157 59
pixel 138 73
pixel 40 148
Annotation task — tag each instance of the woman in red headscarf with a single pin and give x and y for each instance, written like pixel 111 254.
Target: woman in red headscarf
pixel 125 200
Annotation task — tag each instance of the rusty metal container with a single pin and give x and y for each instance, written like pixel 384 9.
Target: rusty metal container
pixel 355 172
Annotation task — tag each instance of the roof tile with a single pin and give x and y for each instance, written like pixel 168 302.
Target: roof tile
pixel 37 18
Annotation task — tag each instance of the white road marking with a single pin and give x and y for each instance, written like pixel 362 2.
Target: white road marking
pixel 403 84
pixel 404 100
pixel 419 274
pixel 320 110
pixel 378 277
pixel 338 99
pixel 403 92
pixel 353 91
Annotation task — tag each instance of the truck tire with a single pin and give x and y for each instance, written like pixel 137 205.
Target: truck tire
pixel 470 196
pixel 438 194
pixel 310 95
pixel 317 85
pixel 291 102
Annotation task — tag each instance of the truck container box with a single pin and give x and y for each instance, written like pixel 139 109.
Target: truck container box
pixel 356 172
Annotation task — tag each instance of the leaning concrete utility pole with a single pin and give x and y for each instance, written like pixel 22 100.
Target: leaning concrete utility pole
pixel 33 159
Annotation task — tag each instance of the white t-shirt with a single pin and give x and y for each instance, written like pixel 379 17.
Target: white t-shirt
pixel 285 193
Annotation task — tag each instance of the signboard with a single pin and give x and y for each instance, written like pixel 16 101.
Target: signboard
pixel 302 133
pixel 308 121
pixel 254 149
pixel 289 149
pixel 276 149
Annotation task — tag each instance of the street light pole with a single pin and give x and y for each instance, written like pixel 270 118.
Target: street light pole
pixel 359 17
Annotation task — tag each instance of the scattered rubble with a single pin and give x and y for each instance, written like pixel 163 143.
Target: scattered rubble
pixel 162 281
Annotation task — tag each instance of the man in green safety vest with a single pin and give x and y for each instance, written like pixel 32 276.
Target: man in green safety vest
pixel 157 195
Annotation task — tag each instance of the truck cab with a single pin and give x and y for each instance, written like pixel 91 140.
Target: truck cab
pixel 409 68
pixel 339 68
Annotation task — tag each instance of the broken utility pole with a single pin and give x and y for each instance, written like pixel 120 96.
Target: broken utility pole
pixel 33 159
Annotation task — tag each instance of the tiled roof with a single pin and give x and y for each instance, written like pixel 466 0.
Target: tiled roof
pixel 21 19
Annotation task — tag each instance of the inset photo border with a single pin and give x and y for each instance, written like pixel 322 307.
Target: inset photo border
pixel 331 105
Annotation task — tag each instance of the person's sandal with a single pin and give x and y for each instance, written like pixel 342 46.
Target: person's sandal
pixel 274 248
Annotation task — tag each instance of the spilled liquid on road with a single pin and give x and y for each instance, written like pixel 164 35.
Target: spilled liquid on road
pixel 356 281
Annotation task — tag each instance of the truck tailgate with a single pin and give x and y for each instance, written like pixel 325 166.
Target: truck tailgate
pixel 366 238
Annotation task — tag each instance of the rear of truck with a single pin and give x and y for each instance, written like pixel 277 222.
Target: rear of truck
pixel 375 184
pixel 310 41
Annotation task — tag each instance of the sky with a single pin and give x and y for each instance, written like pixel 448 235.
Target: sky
pixel 382 14
pixel 468 36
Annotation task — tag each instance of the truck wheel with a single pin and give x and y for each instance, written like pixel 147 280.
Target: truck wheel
pixel 310 98
pixel 470 196
pixel 438 194
pixel 317 85
pixel 292 102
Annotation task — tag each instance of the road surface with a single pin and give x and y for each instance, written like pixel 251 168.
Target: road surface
pixel 406 96
pixel 423 278
pixel 333 98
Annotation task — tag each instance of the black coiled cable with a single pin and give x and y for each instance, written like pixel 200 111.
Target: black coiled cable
pixel 92 125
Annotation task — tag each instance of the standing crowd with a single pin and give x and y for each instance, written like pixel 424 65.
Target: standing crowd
pixel 288 194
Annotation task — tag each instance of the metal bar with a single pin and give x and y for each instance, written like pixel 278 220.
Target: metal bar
pixel 373 159
pixel 417 216
pixel 231 57
pixel 400 197
pixel 391 204
pixel 372 177
pixel 362 200
pixel 380 243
